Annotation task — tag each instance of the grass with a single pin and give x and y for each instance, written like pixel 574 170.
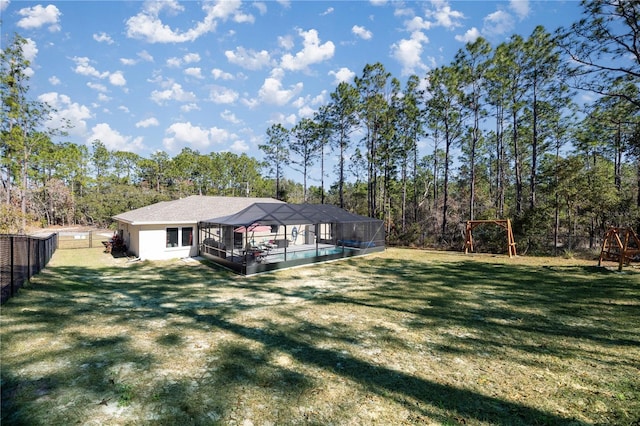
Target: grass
pixel 400 337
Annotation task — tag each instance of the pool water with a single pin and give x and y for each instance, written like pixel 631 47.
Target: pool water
pixel 306 254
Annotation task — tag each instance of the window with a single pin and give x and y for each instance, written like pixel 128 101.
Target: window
pixel 172 237
pixel 187 237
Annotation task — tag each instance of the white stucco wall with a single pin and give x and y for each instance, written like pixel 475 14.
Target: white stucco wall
pixel 149 242
pixel 130 237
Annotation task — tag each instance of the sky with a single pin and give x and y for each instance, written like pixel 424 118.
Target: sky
pixel 144 76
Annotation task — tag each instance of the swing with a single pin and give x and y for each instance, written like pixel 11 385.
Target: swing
pixel 504 223
pixel 619 245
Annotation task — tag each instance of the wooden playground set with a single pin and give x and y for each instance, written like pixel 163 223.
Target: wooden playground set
pixel 620 244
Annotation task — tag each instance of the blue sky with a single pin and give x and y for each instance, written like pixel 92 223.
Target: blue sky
pixel 213 76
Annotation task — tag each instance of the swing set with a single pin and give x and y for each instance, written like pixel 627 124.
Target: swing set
pixel 503 223
pixel 620 245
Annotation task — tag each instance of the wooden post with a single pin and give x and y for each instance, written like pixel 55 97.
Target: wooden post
pixel 604 247
pixel 623 251
pixel 510 240
pixel 468 245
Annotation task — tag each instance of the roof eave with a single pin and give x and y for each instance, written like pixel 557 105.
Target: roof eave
pixel 155 222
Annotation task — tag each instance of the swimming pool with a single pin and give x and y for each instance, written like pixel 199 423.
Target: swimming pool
pixel 295 255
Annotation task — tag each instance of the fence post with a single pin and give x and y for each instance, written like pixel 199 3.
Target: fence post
pixel 11 242
pixel 28 242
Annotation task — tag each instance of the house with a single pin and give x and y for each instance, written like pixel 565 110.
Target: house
pixel 169 229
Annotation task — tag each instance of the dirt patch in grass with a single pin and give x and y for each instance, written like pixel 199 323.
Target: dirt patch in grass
pixel 400 337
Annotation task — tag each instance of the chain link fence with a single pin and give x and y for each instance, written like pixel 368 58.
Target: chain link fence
pixel 82 239
pixel 21 257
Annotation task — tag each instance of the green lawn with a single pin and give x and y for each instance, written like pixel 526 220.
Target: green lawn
pixel 400 337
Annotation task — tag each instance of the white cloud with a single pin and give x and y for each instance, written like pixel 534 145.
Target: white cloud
pixel 84 67
pixel 320 99
pixel 117 79
pixel 343 74
pixel 286 120
pixel 194 72
pixel 145 56
pixel 174 62
pixel 409 53
pixel 312 52
pixel 378 2
pixel 148 26
pixel 113 140
pixel 218 74
pixel 306 112
pixel 329 11
pixel 54 81
pixel 286 42
pixel 149 122
pixel 239 146
pixel 228 9
pixel 103 38
pixel 498 22
pixel 300 102
pixel 65 111
pixel 175 93
pixel 249 59
pixel 227 115
pixel 97 86
pixel 262 7
pixel 124 109
pixel 361 32
pixel 272 92
pixel 30 50
pixel 417 23
pixel 403 11
pixel 38 16
pixel 154 8
pixel 220 135
pixel 4 4
pixel 242 18
pixel 186 134
pixel 520 7
pixel 443 14
pixel 189 107
pixel 250 103
pixel 223 95
pixel 103 98
pixel 470 36
pixel 191 58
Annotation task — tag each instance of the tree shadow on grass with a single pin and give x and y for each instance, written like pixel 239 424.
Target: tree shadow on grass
pixel 535 299
pixel 398 385
pixel 140 291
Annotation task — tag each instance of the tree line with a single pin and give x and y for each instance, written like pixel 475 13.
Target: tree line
pixel 495 133
pixel 507 138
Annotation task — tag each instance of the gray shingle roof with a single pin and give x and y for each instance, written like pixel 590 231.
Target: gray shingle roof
pixel 190 209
